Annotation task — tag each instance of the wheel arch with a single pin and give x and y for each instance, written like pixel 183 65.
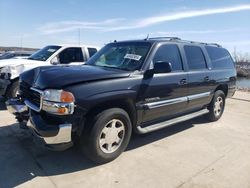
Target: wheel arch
pixel 125 104
pixel 222 87
pixel 10 85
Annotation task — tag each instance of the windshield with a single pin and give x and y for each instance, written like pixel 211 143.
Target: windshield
pixel 44 53
pixel 125 56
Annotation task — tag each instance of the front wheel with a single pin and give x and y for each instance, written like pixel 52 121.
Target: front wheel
pixel 217 105
pixel 108 137
pixel 12 90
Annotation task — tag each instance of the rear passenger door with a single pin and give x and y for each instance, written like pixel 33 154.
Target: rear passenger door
pixel 164 94
pixel 199 78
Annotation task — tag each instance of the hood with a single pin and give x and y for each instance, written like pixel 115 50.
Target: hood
pixel 9 62
pixel 57 77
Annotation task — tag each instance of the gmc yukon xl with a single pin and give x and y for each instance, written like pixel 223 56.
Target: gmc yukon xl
pixel 129 86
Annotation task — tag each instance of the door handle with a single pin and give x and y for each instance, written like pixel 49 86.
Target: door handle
pixel 206 78
pixel 183 81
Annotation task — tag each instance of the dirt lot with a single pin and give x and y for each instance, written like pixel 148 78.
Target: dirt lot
pixel 191 154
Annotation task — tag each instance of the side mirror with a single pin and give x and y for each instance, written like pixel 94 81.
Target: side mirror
pixel 162 67
pixel 54 61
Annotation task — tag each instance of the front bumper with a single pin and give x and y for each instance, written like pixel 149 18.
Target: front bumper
pixel 57 137
pixel 14 106
pixel 3 86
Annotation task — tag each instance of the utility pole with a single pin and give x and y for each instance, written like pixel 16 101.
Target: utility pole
pixel 21 42
pixel 79 36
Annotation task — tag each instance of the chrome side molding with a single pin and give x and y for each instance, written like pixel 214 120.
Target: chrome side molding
pixel 198 96
pixel 157 104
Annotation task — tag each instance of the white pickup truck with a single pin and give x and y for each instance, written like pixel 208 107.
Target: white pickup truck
pixel 10 69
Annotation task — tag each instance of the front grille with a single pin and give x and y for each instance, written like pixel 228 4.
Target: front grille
pixel 29 94
pixel 35 98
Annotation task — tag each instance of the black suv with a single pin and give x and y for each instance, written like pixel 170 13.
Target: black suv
pixel 130 86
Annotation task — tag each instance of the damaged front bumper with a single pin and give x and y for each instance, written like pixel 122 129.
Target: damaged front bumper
pixel 14 106
pixel 55 137
pixel 19 110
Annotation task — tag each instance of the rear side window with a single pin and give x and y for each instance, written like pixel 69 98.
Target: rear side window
pixel 220 57
pixel 195 57
pixel 92 51
pixel 169 53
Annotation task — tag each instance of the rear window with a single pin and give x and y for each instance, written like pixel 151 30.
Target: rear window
pixel 195 58
pixel 220 57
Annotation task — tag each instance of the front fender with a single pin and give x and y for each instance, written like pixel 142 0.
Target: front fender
pixel 99 98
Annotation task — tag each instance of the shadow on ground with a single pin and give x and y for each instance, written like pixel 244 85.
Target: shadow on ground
pixel 244 100
pixel 22 160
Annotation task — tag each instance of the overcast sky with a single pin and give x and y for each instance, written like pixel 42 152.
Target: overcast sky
pixel 34 23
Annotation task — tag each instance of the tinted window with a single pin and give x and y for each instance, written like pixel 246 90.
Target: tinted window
pixel 71 55
pixel 220 57
pixel 169 53
pixel 195 57
pixel 124 55
pixel 92 51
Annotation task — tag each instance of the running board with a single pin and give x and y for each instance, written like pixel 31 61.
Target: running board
pixel 157 126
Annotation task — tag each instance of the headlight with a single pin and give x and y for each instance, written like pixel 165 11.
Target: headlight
pixel 58 102
pixel 58 96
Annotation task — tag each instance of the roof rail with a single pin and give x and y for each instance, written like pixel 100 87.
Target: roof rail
pixel 204 43
pixel 167 38
pixel 179 39
pixel 215 44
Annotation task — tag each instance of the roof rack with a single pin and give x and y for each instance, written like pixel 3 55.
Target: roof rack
pixel 179 39
pixel 218 45
pixel 204 43
pixel 167 38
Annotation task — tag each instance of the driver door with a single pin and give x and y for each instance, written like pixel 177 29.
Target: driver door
pixel 164 94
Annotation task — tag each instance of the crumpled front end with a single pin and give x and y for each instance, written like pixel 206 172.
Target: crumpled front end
pixel 11 71
pixel 7 74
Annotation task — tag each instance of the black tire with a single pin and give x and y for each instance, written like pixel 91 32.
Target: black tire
pixel 12 90
pixel 91 139
pixel 215 113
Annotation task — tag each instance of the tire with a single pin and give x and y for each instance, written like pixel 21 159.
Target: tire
pixel 12 90
pixel 217 105
pixel 107 136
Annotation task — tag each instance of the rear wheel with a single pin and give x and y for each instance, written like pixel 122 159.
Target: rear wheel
pixel 217 105
pixel 13 90
pixel 108 137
